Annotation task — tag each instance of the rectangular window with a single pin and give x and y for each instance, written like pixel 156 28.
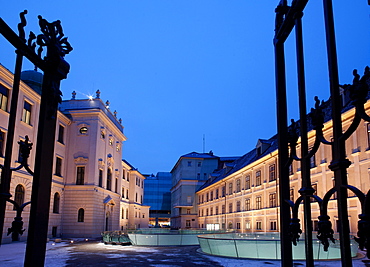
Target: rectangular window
pixel 216 210
pixel 313 161
pixel 187 224
pixel 223 209
pixel 199 163
pixel 272 173
pixel 258 178
pixel 248 204
pixel 100 178
pixel 189 163
pixel 247 182
pixel 292 194
pixel 238 225
pixel 58 166
pixel 258 202
pixel 26 114
pixel 315 225
pixel 127 194
pixel 223 191
pixel 123 193
pixel 238 185
pixel 291 169
pixel 187 211
pixel 217 193
pixel 272 200
pixel 3 98
pixel 258 225
pixel 230 207
pixel 238 206
pixel 314 186
pixel 2 143
pixel 211 197
pixel 61 134
pixel 207 197
pixel 230 188
pixel 198 175
pixel 80 178
pixel 273 226
pixel 247 225
pixel 116 185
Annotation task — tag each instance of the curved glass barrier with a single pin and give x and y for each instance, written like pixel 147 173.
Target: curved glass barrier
pixel 264 246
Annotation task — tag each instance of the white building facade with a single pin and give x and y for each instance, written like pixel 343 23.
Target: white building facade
pixel 87 195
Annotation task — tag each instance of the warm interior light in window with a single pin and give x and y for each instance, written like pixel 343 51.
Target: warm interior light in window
pixel 83 130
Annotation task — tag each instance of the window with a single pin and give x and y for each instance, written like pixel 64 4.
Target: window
pixel 187 211
pixel 122 213
pixel 26 114
pixel 223 191
pixel 61 134
pixel 237 206
pixel 238 225
pixel 102 134
pixel 118 147
pixel 116 185
pixel 3 98
pixel 216 210
pixel 56 203
pixel 211 197
pixel 291 169
pixel 258 225
pixel 199 163
pixel 111 141
pixel 272 200
pixel 83 130
pixel 223 209
pixel 211 211
pixel 248 204
pixel 123 192
pixel 247 182
pixel 272 173
pixel 207 197
pixel 80 179
pixel 58 166
pixel 273 226
pixel 291 192
pixel 100 178
pixel 230 225
pixel 2 143
pixel 313 161
pixel 198 175
pixel 230 188
pixel 258 202
pixel 127 214
pixel 206 212
pixel 217 193
pixel 315 225
pixel 247 225
pixel 19 195
pixel 314 186
pixel 258 178
pixel 189 163
pixel 238 185
pixel 187 223
pixel 204 176
pixel 135 197
pixel 202 198
pixel 230 207
pixel 127 194
pixel 109 179
pixel 81 215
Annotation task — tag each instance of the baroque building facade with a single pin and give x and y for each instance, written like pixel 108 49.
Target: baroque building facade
pixel 93 189
pixel 244 195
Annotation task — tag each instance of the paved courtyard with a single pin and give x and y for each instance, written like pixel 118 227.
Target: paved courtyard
pixel 93 253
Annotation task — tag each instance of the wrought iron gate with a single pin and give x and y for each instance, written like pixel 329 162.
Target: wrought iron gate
pixel 287 18
pixel 55 69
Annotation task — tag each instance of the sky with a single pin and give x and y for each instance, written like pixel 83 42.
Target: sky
pixel 191 75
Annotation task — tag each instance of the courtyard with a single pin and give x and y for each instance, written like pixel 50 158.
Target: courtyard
pixel 95 253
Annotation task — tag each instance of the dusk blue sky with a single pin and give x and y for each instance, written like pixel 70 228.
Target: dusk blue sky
pixel 176 70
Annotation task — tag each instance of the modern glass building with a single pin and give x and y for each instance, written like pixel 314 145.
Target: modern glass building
pixel 157 195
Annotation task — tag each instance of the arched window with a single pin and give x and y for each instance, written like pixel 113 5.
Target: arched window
pixel 109 179
pixel 81 215
pixel 56 203
pixel 19 195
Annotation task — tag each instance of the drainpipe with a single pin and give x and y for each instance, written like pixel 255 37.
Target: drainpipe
pixel 225 205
